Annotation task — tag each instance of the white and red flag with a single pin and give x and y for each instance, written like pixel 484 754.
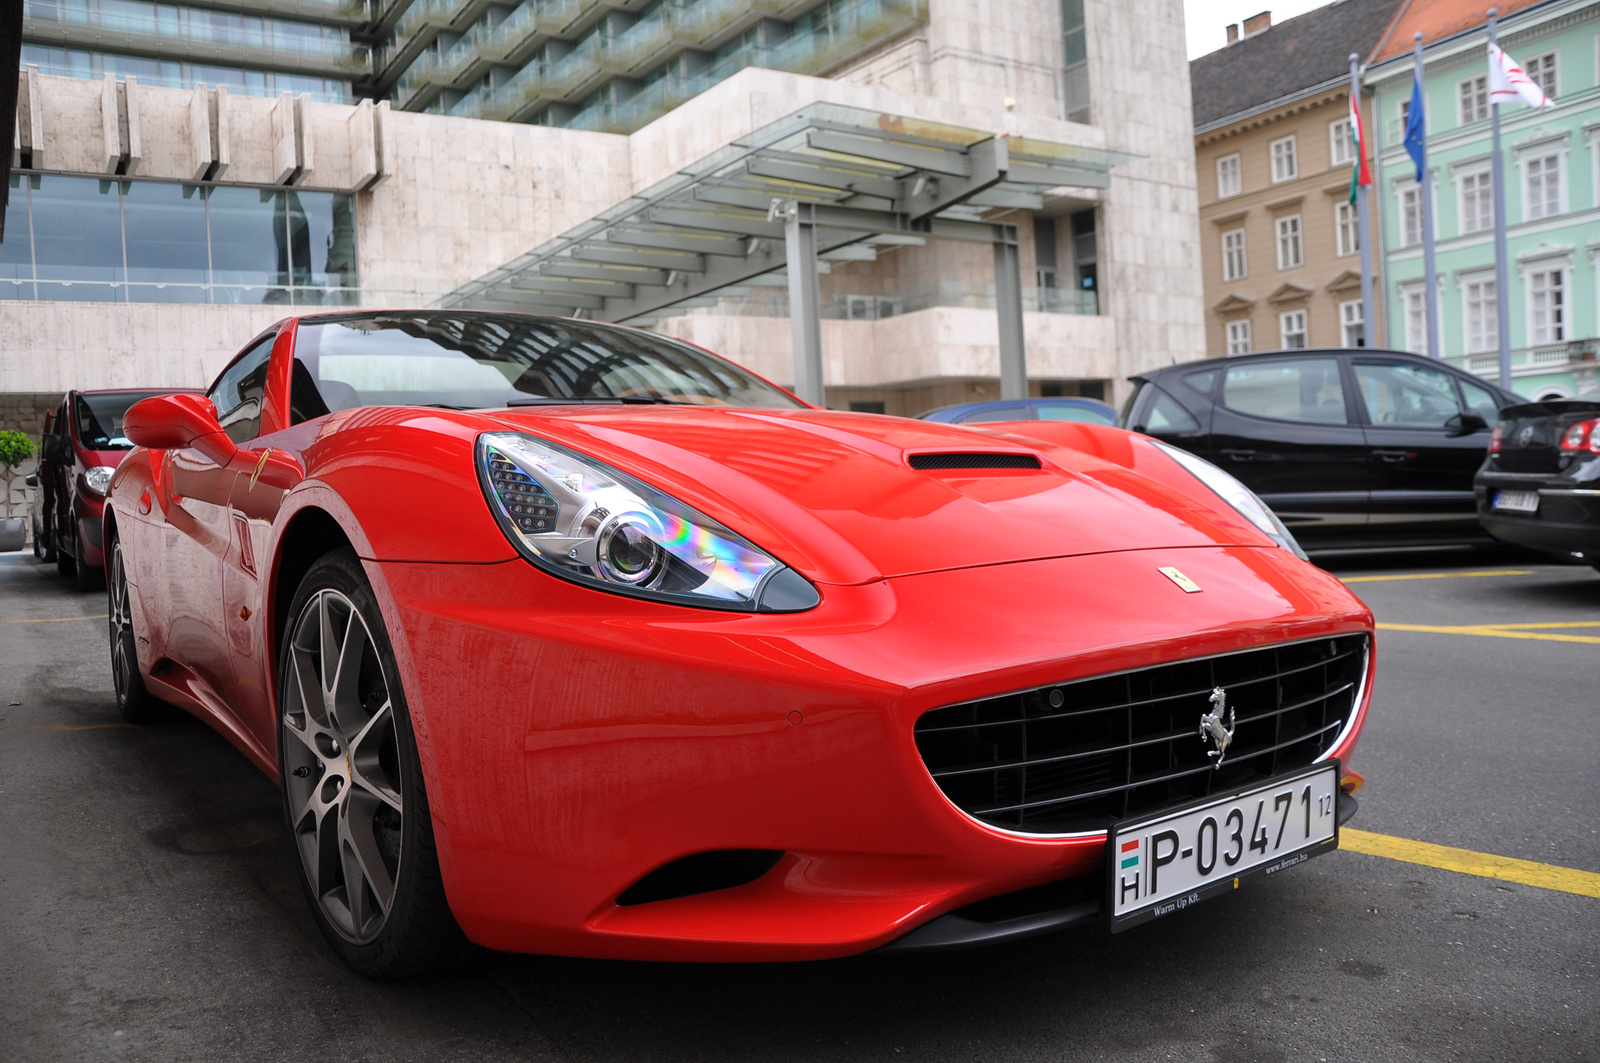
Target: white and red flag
pixel 1508 81
pixel 1361 172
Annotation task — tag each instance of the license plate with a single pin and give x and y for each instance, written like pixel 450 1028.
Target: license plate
pixel 1517 501
pixel 1165 863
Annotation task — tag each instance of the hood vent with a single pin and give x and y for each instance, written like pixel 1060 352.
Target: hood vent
pixel 973 461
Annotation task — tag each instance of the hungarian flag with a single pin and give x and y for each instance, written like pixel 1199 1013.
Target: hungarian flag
pixel 1508 82
pixel 1360 172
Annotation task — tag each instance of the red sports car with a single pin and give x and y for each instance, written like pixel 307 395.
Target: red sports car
pixel 568 638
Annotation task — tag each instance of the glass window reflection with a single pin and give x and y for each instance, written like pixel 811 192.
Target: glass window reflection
pixel 166 234
pixel 249 246
pixel 91 240
pixel 77 238
pixel 16 253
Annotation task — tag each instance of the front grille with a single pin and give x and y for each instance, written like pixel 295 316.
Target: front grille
pixel 1079 756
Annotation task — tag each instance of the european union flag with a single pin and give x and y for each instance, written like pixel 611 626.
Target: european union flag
pixel 1416 124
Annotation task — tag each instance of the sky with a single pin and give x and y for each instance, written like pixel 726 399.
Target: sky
pixel 1207 20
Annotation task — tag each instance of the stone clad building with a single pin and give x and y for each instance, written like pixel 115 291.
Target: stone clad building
pixel 158 220
pixel 1280 251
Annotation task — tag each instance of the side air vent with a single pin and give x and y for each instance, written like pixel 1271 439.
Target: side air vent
pixel 701 873
pixel 973 461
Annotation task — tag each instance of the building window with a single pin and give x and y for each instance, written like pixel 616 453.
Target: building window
pixel 1416 320
pixel 1483 325
pixel 1411 216
pixel 1549 309
pixel 1239 337
pixel 1233 262
pixel 1076 80
pixel 1292 329
pixel 1290 255
pixel 1228 181
pixel 1352 321
pixel 1477 202
pixel 1341 148
pixel 1473 95
pixel 1347 226
pixel 1544 186
pixel 98 240
pixel 1284 163
pixel 1541 70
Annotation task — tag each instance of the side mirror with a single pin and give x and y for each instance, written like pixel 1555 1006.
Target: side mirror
pixel 173 422
pixel 31 480
pixel 1468 423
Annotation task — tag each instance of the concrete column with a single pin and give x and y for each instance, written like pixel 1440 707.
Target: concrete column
pixel 1008 306
pixel 805 301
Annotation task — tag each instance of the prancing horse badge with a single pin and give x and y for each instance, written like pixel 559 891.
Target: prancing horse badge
pixel 1189 586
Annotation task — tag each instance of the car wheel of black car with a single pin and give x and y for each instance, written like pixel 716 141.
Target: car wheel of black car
pixel 134 701
pixel 352 782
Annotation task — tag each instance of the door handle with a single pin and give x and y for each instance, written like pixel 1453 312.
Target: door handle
pixel 1394 457
pixel 1241 455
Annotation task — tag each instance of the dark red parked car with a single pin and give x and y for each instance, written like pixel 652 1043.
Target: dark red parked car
pixel 82 446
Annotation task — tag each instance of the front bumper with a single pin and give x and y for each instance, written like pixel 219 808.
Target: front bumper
pixel 574 741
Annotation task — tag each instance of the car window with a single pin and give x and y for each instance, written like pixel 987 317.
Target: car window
pixel 1167 416
pixel 1081 414
pixel 1401 393
pixel 1305 389
pixel 1202 382
pixel 1481 401
pixel 100 418
pixel 1017 412
pixel 239 392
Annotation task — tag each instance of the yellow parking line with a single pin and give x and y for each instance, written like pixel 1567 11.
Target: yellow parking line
pixel 1440 575
pixel 1467 862
pixel 57 728
pixel 54 619
pixel 1495 631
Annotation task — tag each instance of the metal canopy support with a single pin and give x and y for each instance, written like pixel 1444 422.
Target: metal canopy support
pixel 1008 305
pixel 805 301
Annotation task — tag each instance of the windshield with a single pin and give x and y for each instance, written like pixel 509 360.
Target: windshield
pixel 100 418
pixel 477 360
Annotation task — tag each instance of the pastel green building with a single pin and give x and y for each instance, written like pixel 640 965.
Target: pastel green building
pixel 1552 174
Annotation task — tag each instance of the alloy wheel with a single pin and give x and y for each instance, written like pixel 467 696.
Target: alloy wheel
pixel 120 617
pixel 341 763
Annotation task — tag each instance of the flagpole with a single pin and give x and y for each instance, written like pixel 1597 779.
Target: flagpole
pixel 1502 290
pixel 1369 320
pixel 1425 192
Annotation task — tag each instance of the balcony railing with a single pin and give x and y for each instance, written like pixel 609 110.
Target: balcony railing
pixel 1528 361
pixel 261 35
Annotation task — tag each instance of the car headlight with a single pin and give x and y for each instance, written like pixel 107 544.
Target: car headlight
pixel 1237 495
pixel 98 478
pixel 584 521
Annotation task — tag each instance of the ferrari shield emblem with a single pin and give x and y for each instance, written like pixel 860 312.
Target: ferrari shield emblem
pixel 1189 586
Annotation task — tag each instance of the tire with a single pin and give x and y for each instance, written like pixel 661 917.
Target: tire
pixel 137 704
pixel 86 578
pixel 352 782
pixel 66 562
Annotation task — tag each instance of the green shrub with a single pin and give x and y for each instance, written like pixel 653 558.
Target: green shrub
pixel 15 448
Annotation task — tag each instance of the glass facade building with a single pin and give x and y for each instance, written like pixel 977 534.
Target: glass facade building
pixel 84 239
pixel 611 65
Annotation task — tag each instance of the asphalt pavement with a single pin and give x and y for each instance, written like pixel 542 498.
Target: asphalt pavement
pixel 149 908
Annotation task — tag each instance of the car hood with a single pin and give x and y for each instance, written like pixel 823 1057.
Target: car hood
pixel 835 495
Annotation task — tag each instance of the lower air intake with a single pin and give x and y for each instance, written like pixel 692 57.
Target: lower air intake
pixel 701 873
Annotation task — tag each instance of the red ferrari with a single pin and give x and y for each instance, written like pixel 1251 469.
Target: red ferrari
pixel 567 638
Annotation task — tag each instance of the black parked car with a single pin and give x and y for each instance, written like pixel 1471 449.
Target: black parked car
pixel 1540 485
pixel 1350 447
